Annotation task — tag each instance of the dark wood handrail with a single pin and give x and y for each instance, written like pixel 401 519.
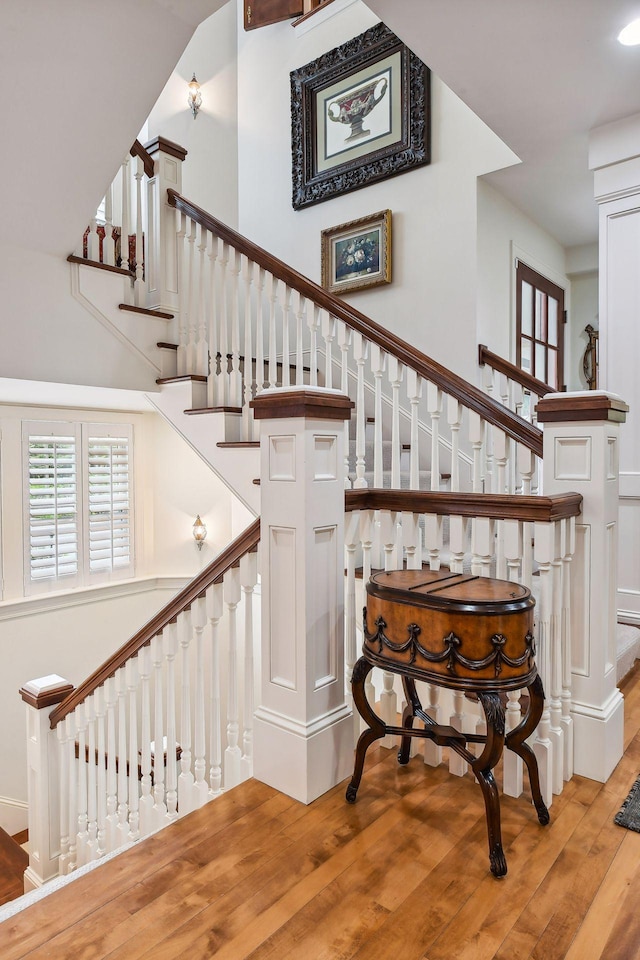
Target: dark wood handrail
pixel 514 373
pixel 137 150
pixel 499 506
pixel 469 395
pixel 230 557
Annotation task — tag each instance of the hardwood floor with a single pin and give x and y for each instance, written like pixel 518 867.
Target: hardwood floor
pixel 13 863
pixel 402 873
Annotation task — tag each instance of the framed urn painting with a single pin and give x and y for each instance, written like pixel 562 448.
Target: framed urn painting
pixel 357 254
pixel 359 114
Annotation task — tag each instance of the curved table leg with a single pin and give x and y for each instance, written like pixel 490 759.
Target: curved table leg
pixel 516 742
pixel 376 727
pixel 408 715
pixel 482 767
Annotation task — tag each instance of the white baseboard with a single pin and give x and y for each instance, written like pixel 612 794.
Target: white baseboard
pixel 14 815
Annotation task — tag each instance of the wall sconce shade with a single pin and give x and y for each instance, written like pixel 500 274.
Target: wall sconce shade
pixel 194 98
pixel 199 532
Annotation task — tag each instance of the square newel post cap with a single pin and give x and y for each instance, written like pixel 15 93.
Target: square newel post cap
pixel 46 691
pixel 581 405
pixel 161 144
pixel 310 403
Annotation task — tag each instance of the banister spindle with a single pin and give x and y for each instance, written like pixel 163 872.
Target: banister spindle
pixel 108 245
pixel 301 314
pixel 344 342
pixel 328 335
pixel 285 304
pixel 63 769
pixel 360 350
pixel 131 670
pixel 224 392
pixel 159 762
pixel 139 294
pixel 313 322
pixel 215 611
pixel 170 646
pixel 198 623
pixel 542 746
pixel 111 699
pixel 434 408
pixel 146 799
pixel 183 332
pixel 82 838
pixel 215 397
pixel 454 419
pixel 378 363
pixel 272 287
pixel 248 581
pixel 185 780
pixel 232 754
pixel 72 767
pixel 100 714
pixel 92 800
pixel 262 321
pixel 202 346
pixel 414 394
pixel 247 366
pixel 192 298
pixel 395 373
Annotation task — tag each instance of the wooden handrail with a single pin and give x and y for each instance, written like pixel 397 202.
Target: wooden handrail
pixel 514 373
pixel 137 150
pixel 499 506
pixel 230 557
pixel 470 396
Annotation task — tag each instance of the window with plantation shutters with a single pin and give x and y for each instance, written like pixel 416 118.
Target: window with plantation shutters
pixel 77 503
pixel 108 501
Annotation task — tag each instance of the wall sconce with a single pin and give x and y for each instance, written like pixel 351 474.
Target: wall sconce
pixel 199 532
pixel 194 98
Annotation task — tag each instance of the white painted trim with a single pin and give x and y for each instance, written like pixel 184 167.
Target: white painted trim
pixel 14 815
pixel 104 320
pixel 28 606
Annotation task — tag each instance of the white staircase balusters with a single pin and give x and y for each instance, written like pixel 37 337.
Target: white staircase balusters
pixel 224 394
pixel 170 640
pixel 108 244
pixel 202 346
pixel 273 286
pixel 414 395
pixel 200 786
pixel 328 326
pixel 542 746
pixel 215 611
pixel 360 350
pixel 72 769
pixel 183 273
pixel 248 581
pixel 262 324
pixel 92 802
pixel 566 720
pixel 123 809
pixel 191 320
pixel 146 798
pixel 232 754
pixel 301 316
pixel 214 380
pixel 63 775
pixel 344 342
pixel 377 359
pixel 433 539
pixel 139 291
pixel 313 322
pixel 432 752
pixel 434 408
pixel 351 541
pixel 101 760
pixel 158 754
pixel 131 671
pixel 93 241
pixel 247 367
pixel 395 373
pixel 125 220
pixel 82 837
pixel 285 293
pixel 454 419
pixel 185 780
pixel 111 699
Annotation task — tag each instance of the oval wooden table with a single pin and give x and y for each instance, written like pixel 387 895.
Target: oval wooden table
pixel 467 633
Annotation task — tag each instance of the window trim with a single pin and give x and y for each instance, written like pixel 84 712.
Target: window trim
pixel 526 274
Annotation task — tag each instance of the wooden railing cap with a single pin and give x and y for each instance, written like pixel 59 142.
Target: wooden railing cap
pixel 167 146
pixel 582 405
pixel 46 691
pixel 311 403
pixel 526 381
pixel 497 506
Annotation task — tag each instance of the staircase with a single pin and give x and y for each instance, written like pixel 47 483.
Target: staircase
pixel 435 471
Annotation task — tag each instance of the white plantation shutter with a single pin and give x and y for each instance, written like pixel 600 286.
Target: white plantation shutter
pixel 109 493
pixel 52 503
pixel 78 504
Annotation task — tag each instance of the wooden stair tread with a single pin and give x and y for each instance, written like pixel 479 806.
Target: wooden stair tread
pixel 196 377
pixel 195 411
pixel 160 314
pixel 98 266
pixel 250 444
pixel 166 346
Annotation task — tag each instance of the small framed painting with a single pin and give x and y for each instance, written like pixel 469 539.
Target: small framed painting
pixel 359 114
pixel 357 254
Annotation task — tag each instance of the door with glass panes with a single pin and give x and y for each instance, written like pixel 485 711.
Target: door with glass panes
pixel 540 319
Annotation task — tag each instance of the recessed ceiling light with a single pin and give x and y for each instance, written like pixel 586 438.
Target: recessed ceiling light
pixel 630 36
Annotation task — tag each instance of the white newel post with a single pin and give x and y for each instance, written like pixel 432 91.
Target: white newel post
pixel 304 735
pixel 161 254
pixel 581 454
pixel 42 773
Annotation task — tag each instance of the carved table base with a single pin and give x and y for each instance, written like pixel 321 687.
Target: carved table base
pixel 482 766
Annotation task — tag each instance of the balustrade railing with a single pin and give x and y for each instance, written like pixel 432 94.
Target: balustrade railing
pixel 529 540
pixel 250 322
pixel 166 723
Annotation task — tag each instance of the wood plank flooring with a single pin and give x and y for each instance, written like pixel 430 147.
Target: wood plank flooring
pixel 402 873
pixel 13 863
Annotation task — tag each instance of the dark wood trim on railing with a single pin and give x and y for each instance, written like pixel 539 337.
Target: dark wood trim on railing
pixel 137 150
pixel 499 506
pixel 85 262
pixel 514 373
pixel 472 397
pixel 230 557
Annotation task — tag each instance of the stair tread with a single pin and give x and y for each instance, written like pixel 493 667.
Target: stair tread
pixel 253 444
pixel 160 314
pixel 194 411
pixel 197 377
pixel 72 258
pixel 166 346
pixel 13 862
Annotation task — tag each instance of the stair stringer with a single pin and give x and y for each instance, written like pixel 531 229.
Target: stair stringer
pixel 100 292
pixel 236 467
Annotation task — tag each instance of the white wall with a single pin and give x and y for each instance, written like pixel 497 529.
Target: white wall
pixel 210 173
pixel 434 207
pixel 504 232
pixel 584 310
